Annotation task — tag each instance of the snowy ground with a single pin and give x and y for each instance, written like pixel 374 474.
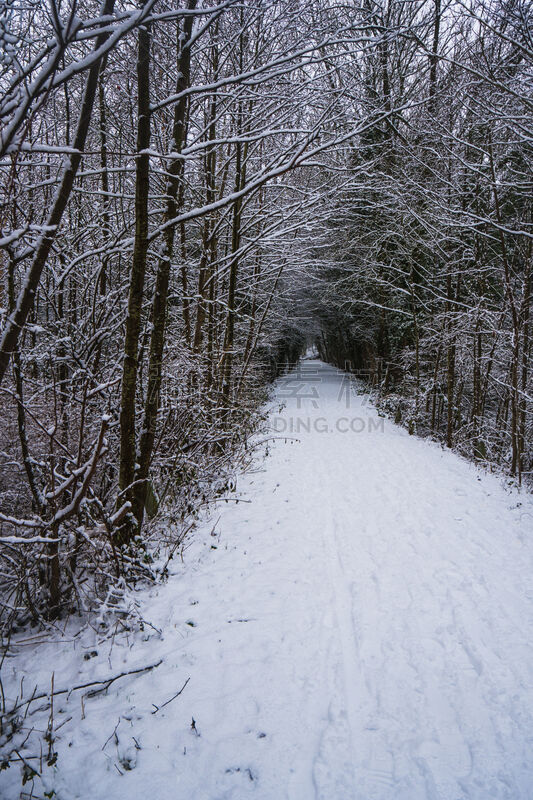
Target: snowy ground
pixel 362 631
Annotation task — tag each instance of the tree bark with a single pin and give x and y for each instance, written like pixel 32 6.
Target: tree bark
pixel 136 290
pixel 159 305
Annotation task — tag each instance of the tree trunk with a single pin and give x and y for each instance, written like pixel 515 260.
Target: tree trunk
pixel 159 305
pixel 133 320
pixel 450 364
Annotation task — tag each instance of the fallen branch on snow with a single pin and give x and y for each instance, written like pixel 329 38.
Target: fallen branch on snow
pixel 102 684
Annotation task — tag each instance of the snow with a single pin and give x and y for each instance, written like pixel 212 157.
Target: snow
pixel 360 628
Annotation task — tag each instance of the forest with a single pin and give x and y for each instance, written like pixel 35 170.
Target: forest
pixel 196 191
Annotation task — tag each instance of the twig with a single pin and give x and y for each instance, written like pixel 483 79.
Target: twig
pixel 63 723
pixel 50 730
pixel 112 734
pixel 158 708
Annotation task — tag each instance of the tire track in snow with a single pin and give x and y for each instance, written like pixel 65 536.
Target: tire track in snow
pixel 348 644
pixel 357 703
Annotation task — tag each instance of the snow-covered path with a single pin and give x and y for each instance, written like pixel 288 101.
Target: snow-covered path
pixel 361 629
